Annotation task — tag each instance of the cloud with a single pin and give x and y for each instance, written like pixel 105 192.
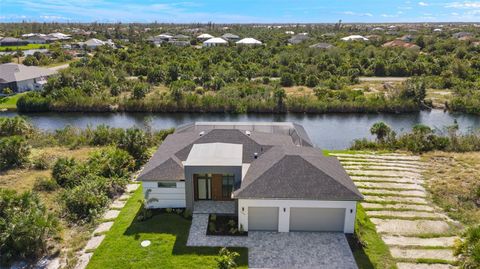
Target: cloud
pixel 423 4
pixel 351 13
pixel 463 5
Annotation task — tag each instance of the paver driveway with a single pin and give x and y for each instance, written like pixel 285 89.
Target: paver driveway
pixel 281 250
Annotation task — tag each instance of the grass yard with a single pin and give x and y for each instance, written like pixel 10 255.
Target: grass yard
pixel 25 47
pixel 10 102
pixel 168 234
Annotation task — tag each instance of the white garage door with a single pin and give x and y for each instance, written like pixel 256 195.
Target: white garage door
pixel 263 218
pixel 317 219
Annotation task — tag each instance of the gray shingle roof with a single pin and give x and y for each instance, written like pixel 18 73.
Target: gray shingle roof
pixel 11 72
pixel 290 172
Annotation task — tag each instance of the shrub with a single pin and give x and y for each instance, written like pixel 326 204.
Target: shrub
pixel 286 80
pixel 33 102
pixel 226 259
pixel 45 184
pixel 111 163
pixel 15 126
pixel 85 201
pixel 25 226
pixel 42 162
pixel 469 249
pixel 65 171
pixel 136 143
pixel 14 152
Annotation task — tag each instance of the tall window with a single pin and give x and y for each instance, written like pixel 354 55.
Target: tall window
pixel 228 182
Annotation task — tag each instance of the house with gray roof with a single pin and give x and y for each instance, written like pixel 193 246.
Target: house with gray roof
pixel 20 78
pixel 269 173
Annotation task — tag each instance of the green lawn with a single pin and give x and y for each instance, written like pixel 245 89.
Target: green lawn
pixel 168 234
pixel 10 102
pixel 26 47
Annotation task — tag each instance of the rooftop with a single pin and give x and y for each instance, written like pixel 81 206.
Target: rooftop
pixel 215 154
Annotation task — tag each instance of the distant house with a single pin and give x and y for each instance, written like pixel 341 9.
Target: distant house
pixel 204 37
pixel 462 35
pixel 289 32
pixel 378 29
pixel 297 39
pixel 215 42
pixel 437 30
pixel 406 38
pixel 94 43
pixel 249 42
pixel 179 43
pixel 12 41
pixel 354 38
pixel 37 40
pixel 231 37
pixel 324 46
pixel 402 44
pixel 180 37
pixel 60 36
pixel 20 78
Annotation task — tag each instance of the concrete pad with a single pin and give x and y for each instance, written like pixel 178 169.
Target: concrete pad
pixel 132 187
pixel 124 197
pixel 400 180
pixel 382 168
pixel 410 227
pixel 394 199
pixel 94 242
pixel 103 227
pixel 384 173
pixel 83 260
pixel 393 192
pixel 389 185
pixel 404 214
pixel 420 242
pixel 441 254
pixel 111 214
pixel 118 204
pixel 405 265
pixel 382 164
pixel 400 206
pixel 378 156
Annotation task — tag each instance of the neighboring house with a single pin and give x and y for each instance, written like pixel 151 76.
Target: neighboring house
pixel 289 32
pixel 249 42
pixel 231 37
pixel 20 78
pixel 406 38
pixel 400 43
pixel 12 41
pixel 297 39
pixel 270 172
pixel 204 36
pixel 354 38
pixel 437 30
pixel 60 36
pixel 94 43
pixel 214 42
pixel 462 35
pixel 324 46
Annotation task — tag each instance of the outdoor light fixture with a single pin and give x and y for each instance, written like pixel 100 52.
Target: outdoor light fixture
pixel 243 208
pixel 351 211
pixel 284 209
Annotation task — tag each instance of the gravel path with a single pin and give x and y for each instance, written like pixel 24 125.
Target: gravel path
pixel 397 203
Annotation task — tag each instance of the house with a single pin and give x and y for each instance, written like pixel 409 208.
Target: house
pixel 269 172
pixel 324 46
pixel 214 42
pixel 93 43
pixel 231 37
pixel 60 36
pixel 354 38
pixel 400 43
pixel 12 41
pixel 20 78
pixel 462 35
pixel 297 39
pixel 204 37
pixel 249 42
pixel 406 38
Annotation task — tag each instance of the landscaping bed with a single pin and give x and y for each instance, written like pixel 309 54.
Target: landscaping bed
pixel 224 224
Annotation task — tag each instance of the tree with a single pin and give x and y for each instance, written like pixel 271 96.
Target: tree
pixel 25 226
pixel 381 130
pixel 415 89
pixel 226 259
pixel 286 80
pixel 140 90
pixel 85 201
pixel 14 151
pixel 311 81
pixel 136 143
pixel 280 95
pixel 30 60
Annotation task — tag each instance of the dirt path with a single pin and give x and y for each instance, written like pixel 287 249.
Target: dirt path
pixel 418 233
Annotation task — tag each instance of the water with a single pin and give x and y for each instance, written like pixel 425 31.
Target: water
pixel 328 131
pixel 25 52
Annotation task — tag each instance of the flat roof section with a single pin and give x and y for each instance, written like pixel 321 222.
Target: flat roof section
pixel 215 154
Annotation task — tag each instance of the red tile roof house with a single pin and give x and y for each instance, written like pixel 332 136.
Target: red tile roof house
pixel 269 172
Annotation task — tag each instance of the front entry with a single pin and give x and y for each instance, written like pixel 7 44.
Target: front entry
pixel 204 187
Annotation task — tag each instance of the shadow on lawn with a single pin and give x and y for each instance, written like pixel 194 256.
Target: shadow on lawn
pixel 362 259
pixel 177 225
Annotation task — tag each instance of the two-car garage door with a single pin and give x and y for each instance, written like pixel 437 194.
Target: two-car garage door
pixel 317 219
pixel 300 219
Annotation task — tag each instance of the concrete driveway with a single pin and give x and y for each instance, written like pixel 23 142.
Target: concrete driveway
pixel 281 250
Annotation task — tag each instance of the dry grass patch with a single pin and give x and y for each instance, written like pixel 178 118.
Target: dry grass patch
pixel 299 91
pixel 454 181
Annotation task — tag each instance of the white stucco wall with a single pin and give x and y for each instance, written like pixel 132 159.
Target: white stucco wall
pixel 26 85
pixel 167 197
pixel 284 211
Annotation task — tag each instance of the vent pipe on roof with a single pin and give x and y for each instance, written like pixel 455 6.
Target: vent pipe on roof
pixel 248 133
pixel 255 155
pixel 202 133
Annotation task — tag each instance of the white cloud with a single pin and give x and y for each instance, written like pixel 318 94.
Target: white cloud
pixel 423 4
pixel 463 5
pixel 351 13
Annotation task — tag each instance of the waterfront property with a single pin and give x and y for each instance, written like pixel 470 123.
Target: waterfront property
pixel 20 78
pixel 269 174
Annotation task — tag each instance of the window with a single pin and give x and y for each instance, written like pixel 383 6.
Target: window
pixel 166 184
pixel 228 182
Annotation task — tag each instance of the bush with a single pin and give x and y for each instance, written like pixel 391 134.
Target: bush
pixel 286 80
pixel 111 163
pixel 15 126
pixel 84 202
pixel 45 184
pixel 469 249
pixel 14 152
pixel 25 226
pixel 226 259
pixel 33 102
pixel 42 162
pixel 136 143
pixel 65 172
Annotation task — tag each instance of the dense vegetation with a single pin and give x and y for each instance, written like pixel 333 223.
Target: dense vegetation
pixel 421 139
pixel 83 189
pixel 142 77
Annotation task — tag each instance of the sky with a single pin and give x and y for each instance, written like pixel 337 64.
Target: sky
pixel 239 11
